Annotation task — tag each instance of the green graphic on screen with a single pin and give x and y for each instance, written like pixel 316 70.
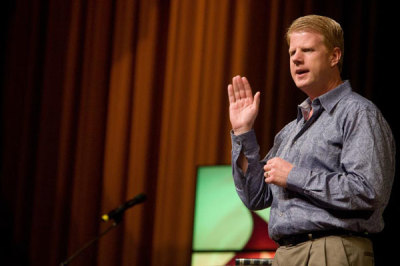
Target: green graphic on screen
pixel 223 226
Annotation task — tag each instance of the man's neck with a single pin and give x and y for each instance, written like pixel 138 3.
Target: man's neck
pixel 314 93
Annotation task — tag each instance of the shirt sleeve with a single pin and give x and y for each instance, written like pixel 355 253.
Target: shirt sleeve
pixel 250 186
pixel 367 168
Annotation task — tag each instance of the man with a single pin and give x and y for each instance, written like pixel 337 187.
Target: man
pixel 329 174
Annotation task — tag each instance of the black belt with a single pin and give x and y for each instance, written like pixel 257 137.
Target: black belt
pixel 297 239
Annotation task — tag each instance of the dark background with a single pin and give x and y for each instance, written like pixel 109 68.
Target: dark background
pixel 370 62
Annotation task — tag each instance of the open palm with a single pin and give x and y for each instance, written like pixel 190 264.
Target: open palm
pixel 243 107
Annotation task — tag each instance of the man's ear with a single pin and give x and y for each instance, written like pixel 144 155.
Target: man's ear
pixel 335 56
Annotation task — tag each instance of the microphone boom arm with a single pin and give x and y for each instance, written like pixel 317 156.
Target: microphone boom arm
pixel 116 215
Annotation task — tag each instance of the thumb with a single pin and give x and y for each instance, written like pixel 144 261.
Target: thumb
pixel 256 101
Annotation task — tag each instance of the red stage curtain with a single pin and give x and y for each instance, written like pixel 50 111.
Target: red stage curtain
pixel 103 100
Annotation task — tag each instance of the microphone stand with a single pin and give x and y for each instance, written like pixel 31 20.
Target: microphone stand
pixel 117 220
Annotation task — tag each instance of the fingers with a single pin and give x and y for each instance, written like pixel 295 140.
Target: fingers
pixel 239 89
pixel 236 87
pixel 242 89
pixel 271 166
pixel 247 88
pixel 231 94
pixel 276 171
pixel 269 178
pixel 267 170
pixel 256 101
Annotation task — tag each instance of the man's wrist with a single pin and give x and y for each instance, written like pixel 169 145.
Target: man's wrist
pixel 240 131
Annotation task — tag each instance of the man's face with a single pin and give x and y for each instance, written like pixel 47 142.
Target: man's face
pixel 310 61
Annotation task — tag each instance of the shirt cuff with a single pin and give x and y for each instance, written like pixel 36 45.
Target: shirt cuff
pixel 246 142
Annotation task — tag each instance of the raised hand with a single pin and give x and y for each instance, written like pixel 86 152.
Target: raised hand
pixel 243 107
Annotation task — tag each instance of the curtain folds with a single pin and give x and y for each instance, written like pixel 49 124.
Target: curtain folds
pixel 103 100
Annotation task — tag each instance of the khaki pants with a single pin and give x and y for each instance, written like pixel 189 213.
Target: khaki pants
pixel 327 251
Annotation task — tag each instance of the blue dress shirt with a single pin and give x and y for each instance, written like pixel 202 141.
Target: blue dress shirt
pixel 344 163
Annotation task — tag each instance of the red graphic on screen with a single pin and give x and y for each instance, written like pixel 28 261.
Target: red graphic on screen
pixel 259 241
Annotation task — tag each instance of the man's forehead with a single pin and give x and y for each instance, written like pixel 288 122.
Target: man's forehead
pixel 305 37
pixel 305 31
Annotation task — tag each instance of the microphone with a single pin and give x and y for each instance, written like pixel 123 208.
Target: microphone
pixel 122 208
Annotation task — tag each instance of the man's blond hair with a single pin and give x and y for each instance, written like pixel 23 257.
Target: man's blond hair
pixel 327 27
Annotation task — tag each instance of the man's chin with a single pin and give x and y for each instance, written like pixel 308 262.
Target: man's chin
pixel 301 84
pixel 304 87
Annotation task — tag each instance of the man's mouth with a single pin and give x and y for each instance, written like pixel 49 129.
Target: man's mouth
pixel 301 72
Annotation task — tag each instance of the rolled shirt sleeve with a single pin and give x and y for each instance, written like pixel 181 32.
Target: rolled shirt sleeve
pixel 250 186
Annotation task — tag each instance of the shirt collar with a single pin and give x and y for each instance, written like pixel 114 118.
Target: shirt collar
pixel 327 100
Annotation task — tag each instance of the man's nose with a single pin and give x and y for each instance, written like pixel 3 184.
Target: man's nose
pixel 297 58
